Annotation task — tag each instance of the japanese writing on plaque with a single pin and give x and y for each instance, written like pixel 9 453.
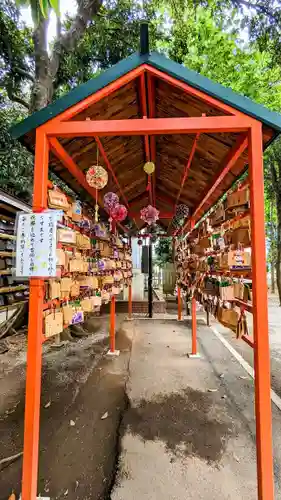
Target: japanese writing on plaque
pixel 36 244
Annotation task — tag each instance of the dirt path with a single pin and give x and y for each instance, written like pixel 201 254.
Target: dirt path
pixel 77 447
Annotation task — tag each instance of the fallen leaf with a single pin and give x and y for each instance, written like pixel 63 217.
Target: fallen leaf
pixel 222 375
pixel 244 377
pixel 105 415
pixel 72 423
pixel 47 405
pixel 236 458
pixel 66 493
pixel 212 390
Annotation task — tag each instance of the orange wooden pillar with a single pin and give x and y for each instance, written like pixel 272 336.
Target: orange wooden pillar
pixel 112 324
pixel 193 327
pixel 130 304
pixel 260 316
pixel 35 328
pixel 179 305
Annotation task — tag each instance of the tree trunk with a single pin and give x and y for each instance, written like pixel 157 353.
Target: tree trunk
pixel 272 257
pixel 42 89
pixel 278 259
pixel 272 278
pixel 46 67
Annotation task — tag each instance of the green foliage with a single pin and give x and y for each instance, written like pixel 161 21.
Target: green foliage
pixel 164 251
pixel 113 35
pixel 202 46
pixel 16 163
pixel 40 8
pixel 260 18
pixel 16 49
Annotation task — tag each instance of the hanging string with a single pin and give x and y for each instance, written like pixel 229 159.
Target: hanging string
pixel 148 188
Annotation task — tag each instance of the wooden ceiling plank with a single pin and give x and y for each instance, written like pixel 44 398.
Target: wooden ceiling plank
pixel 193 91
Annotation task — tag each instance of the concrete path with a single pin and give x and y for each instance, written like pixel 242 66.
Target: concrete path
pixel 274 323
pixel 189 430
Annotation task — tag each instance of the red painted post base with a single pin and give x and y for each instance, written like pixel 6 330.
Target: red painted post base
pixel 130 304
pixel 194 353
pixel 112 351
pixel 179 305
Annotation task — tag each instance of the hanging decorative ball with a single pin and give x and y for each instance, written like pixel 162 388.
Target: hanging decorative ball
pixel 182 210
pixel 177 221
pixel 97 177
pixel 140 242
pixel 149 167
pixel 110 200
pixel 149 214
pixel 119 212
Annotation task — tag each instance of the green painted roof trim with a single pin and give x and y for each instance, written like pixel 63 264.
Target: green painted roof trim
pixel 158 61
pixel 78 94
pixel 224 94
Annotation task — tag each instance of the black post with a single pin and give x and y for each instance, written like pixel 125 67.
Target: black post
pixel 144 38
pixel 150 291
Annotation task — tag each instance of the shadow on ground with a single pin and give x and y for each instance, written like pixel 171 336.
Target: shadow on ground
pixel 189 423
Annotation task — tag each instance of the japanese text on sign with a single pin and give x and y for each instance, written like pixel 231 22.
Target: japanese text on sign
pixel 36 244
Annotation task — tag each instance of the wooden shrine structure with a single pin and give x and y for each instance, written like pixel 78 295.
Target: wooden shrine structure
pixel 201 137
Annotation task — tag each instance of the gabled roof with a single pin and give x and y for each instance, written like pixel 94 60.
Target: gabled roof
pixel 160 62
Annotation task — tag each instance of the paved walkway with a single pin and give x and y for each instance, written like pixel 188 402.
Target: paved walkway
pixel 189 429
pixel 274 320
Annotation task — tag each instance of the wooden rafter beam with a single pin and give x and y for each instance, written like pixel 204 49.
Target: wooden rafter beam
pixel 95 97
pixel 111 169
pixel 185 173
pixel 187 167
pixel 73 168
pixel 188 89
pixel 229 161
pixel 151 126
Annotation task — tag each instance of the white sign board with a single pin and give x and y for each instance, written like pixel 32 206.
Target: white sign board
pixel 36 244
